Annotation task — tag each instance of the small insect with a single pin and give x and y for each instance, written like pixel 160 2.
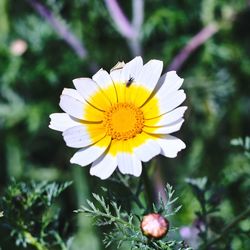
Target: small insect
pixel 119 65
pixel 129 82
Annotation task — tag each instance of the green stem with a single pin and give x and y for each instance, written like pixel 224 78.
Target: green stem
pixel 149 193
pixel 34 241
pixel 99 214
pixel 227 228
pixel 204 217
pixel 60 241
pixel 84 224
pixel 133 195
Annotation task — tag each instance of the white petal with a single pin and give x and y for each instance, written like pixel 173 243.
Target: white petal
pixel 104 166
pixel 171 101
pixel 130 69
pixel 148 78
pixel 150 74
pixel 76 108
pixel 62 121
pixel 87 88
pixel 120 77
pixel 104 81
pixel 166 103
pixel 78 137
pixel 167 118
pixel 87 155
pixel 73 93
pixel 116 76
pixel 129 164
pixel 72 106
pixel 147 151
pixel 171 128
pixel 169 82
pixel 170 145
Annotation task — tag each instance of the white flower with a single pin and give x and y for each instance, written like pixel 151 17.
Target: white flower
pixel 122 118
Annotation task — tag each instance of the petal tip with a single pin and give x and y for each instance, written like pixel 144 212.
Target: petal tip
pixel 72 160
pixel 98 175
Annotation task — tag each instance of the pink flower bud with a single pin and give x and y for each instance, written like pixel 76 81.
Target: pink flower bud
pixel 18 47
pixel 154 226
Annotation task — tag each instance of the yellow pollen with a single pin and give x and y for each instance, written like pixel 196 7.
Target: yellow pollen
pixel 123 121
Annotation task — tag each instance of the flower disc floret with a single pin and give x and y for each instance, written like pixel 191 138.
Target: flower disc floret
pixel 123 121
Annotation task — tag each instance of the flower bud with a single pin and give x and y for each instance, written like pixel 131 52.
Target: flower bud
pixel 154 226
pixel 18 47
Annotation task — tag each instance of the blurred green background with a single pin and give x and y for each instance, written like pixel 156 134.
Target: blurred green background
pixel 36 63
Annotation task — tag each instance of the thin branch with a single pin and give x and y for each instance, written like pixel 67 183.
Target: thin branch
pixel 138 17
pixel 192 45
pixel 245 214
pixel 159 185
pixel 131 31
pixel 121 21
pixel 138 14
pixel 148 190
pixel 61 29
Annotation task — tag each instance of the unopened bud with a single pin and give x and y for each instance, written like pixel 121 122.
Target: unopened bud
pixel 154 226
pixel 18 47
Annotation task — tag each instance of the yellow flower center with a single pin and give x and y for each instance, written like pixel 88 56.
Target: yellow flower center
pixel 123 121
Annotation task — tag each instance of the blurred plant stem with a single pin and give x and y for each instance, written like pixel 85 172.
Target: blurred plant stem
pixel 204 213
pixel 14 157
pixel 134 195
pixel 60 241
pixel 200 38
pixel 4 22
pixel 60 27
pixel 137 21
pixel 159 186
pixel 131 31
pixel 148 189
pixel 122 23
pixel 245 214
pixel 86 237
pixel 34 241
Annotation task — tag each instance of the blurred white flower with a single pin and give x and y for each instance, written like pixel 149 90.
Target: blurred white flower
pixel 122 118
pixel 18 47
pixel 191 235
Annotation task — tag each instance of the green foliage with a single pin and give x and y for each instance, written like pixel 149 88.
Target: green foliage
pixel 209 200
pixel 209 218
pixel 29 216
pixel 216 82
pixel 165 208
pixel 126 225
pixel 244 143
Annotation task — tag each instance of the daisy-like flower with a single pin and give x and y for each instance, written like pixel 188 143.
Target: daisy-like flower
pixel 122 118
